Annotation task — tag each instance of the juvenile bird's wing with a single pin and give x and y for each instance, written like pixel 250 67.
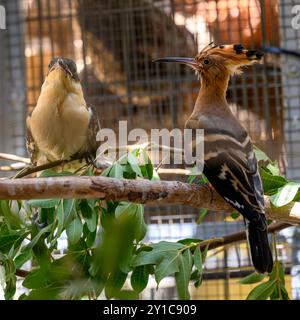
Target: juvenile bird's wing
pixel 93 129
pixel 30 143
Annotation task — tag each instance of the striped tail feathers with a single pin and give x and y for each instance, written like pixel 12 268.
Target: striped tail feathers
pixel 257 234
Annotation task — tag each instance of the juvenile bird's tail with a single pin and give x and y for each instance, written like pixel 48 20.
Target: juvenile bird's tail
pixel 259 245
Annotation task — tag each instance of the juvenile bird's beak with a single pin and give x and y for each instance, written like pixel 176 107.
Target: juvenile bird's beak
pixel 191 62
pixel 60 64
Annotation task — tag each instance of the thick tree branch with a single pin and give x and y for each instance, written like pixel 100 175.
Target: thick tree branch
pixel 138 191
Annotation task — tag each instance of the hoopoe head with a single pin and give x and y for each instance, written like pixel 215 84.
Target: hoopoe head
pixel 216 60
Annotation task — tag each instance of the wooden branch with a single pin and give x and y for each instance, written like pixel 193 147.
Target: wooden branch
pixel 138 191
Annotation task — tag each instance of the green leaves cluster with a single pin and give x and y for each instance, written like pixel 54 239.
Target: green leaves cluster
pixel 273 288
pixel 172 258
pixel 281 190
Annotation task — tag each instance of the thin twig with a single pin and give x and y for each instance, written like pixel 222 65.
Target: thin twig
pixel 33 169
pixel 240 236
pixel 13 157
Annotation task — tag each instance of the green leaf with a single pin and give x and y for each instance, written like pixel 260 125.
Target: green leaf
pixel 68 211
pixel 10 288
pixel 189 241
pixel 22 258
pixel 125 209
pixel 202 215
pixel 198 259
pixel 284 293
pixel 234 215
pixel 274 169
pixel 270 182
pixel 159 250
pixel 262 291
pixel 274 274
pixel 155 176
pixel 51 173
pixel 7 241
pixel 148 164
pixel 285 194
pixel 106 172
pixel 116 171
pixel 36 279
pixel 127 295
pixel 134 164
pixel 193 175
pixel 12 220
pixel 47 293
pixel 9 274
pixel 60 218
pixel 114 283
pixel 165 255
pixel 252 278
pixel 182 277
pixel 140 225
pixel 167 266
pixel 260 155
pixel 45 203
pixel 139 278
pixel 74 231
pixel 34 241
pixel 90 216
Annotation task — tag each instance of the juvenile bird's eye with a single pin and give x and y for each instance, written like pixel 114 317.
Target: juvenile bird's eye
pixel 206 61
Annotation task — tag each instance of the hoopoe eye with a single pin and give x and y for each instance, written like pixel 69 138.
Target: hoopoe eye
pixel 206 61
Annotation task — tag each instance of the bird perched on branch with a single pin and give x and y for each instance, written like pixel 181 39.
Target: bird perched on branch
pixel 230 164
pixel 61 126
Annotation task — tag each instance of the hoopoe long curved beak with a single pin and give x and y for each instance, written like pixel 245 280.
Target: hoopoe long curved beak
pixel 191 62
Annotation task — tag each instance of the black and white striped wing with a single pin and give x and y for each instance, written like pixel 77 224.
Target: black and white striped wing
pixel 232 169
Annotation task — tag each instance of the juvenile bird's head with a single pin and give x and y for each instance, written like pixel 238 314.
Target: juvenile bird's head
pixel 215 62
pixel 63 71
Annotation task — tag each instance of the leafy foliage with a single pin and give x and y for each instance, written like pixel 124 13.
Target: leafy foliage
pixel 104 243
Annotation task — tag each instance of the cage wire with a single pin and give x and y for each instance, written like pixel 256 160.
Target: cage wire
pixel 113 44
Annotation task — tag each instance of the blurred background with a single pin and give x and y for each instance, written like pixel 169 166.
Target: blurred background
pixel 113 43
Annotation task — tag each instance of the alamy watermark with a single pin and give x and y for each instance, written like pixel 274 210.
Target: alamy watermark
pixel 178 147
pixel 2 18
pixel 296 19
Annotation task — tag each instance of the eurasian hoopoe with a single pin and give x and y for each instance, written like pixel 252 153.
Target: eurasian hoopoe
pixel 230 164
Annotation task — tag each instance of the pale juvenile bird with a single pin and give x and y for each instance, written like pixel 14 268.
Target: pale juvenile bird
pixel 230 164
pixel 61 126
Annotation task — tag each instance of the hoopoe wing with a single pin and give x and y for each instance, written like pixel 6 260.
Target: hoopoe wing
pixel 231 167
